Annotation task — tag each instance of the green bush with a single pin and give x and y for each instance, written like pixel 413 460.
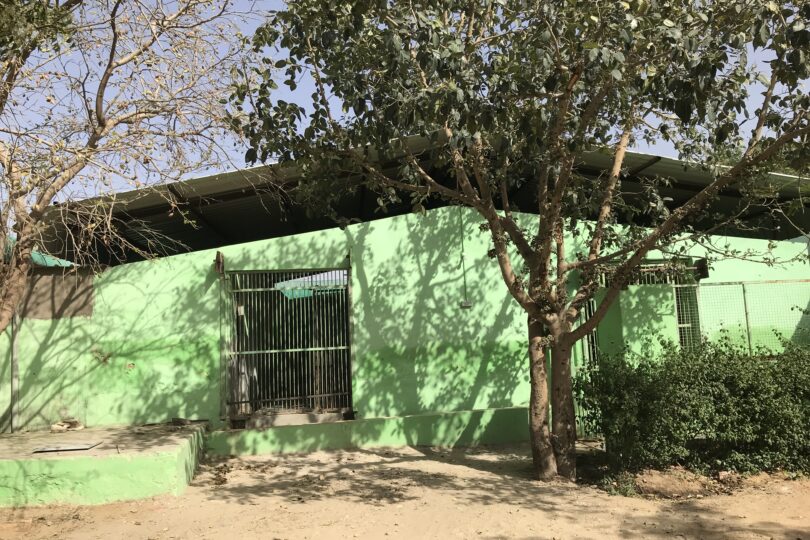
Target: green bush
pixel 712 407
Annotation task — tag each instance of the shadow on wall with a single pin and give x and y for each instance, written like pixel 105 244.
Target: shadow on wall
pixel 639 319
pixel 151 350
pixel 802 334
pixel 415 349
pixel 133 361
pixel 76 298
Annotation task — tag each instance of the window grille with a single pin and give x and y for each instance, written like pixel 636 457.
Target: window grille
pixel 290 343
pixel 758 315
pixel 590 347
pixel 657 274
pixel 686 308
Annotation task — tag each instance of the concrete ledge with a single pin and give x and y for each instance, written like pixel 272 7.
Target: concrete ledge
pixel 460 428
pixel 276 420
pixel 131 463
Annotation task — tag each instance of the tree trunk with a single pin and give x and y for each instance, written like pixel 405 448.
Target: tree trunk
pixel 545 465
pixel 16 278
pixel 563 416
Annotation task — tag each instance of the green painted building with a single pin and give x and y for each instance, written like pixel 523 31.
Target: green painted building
pixel 399 324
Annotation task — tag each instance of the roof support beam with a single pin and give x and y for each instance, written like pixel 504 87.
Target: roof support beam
pixel 198 215
pixel 646 165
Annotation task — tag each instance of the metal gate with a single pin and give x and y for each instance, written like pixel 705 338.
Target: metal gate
pixel 289 349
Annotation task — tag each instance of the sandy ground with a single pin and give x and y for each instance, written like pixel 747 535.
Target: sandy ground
pixel 415 493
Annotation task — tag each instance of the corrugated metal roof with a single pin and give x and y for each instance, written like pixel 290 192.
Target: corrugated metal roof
pixel 686 173
pixel 263 178
pixel 239 206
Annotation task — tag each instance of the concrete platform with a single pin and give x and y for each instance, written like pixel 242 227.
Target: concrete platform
pixel 128 463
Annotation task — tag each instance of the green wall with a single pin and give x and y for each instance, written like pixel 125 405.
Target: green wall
pixel 641 318
pixel 152 348
pixel 765 274
pixel 775 310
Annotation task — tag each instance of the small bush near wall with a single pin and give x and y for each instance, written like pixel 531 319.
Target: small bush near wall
pixel 712 407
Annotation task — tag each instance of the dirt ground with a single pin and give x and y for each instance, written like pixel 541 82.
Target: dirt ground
pixel 419 493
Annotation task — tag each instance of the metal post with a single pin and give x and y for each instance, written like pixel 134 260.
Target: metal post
pixel 15 375
pixel 747 320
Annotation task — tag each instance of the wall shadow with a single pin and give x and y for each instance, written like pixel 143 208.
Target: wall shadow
pixel 415 350
pixel 152 350
pixel 801 335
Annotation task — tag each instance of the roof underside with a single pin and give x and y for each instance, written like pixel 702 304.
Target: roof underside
pixel 243 206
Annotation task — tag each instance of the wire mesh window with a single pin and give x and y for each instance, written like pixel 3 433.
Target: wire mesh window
pixel 759 316
pixel 290 349
pixel 686 307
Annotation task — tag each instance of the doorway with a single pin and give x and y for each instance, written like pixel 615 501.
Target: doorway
pixel 290 342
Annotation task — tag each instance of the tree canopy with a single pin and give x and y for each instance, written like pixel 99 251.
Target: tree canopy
pixel 513 93
pixel 96 97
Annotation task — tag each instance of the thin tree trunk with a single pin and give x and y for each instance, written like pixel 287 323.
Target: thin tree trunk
pixel 545 465
pixel 563 416
pixel 16 282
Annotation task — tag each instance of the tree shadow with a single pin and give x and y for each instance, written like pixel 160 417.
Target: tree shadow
pixel 380 477
pixel 692 519
pixel 153 348
pixel 801 334
pixel 640 321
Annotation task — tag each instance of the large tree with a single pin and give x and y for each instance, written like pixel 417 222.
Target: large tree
pixel 512 94
pixel 98 96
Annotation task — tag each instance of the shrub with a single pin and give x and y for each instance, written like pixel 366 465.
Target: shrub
pixel 712 407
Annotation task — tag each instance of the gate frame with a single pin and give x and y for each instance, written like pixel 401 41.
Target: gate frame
pixel 227 318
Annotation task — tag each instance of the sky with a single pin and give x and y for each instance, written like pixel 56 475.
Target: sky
pixel 236 150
